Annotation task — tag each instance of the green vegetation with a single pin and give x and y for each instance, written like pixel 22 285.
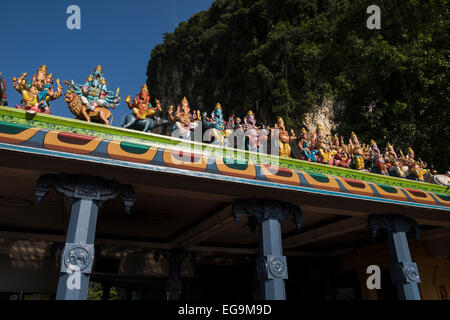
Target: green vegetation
pixel 96 291
pixel 283 57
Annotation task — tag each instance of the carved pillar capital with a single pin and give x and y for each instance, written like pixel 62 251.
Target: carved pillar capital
pixel 75 187
pixel 393 223
pixel 262 209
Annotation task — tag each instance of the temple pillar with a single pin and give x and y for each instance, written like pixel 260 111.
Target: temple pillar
pixel 404 272
pixel 86 195
pixel 175 258
pixel 271 265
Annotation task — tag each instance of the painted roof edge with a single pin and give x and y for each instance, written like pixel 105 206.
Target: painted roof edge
pixel 16 116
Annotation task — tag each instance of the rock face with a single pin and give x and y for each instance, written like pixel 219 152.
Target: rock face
pixel 286 57
pixel 243 55
pixel 322 114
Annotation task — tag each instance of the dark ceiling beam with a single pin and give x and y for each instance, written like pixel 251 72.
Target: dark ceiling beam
pixel 205 229
pixel 326 232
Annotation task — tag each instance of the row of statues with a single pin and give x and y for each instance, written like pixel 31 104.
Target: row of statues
pixel 314 147
pixel 92 101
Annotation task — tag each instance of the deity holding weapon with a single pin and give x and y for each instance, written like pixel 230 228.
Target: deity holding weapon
pixel 3 101
pixel 92 100
pixel 37 93
pixel 183 120
pixel 144 116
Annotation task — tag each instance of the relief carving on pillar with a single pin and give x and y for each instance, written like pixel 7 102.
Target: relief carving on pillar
pixel 405 272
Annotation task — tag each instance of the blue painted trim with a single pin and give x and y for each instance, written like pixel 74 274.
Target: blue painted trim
pixel 213 176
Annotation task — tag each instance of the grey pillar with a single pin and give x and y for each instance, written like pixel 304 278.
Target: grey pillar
pixel 272 266
pixel 175 258
pixel 404 272
pixel 86 194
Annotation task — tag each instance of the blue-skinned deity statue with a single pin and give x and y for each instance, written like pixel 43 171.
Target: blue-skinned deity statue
pixel 216 124
pixel 94 93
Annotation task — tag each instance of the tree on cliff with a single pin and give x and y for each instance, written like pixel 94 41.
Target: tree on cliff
pixel 283 57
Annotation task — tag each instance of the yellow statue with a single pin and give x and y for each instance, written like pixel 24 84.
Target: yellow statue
pixel 284 138
pixel 37 93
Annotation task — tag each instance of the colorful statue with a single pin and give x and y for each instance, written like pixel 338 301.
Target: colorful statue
pixel 284 138
pixel 239 134
pixel 95 98
pixel 378 164
pixel 326 154
pixel 215 125
pixel 182 118
pixel 144 116
pixel 305 147
pixel 251 131
pixel 318 137
pixel 263 139
pixel 3 101
pixel 416 170
pixel 357 152
pixel 37 93
pixel 396 169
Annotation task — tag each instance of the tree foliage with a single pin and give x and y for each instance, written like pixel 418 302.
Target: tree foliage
pixel 283 57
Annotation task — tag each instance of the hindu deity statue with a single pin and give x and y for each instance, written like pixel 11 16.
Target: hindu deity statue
pixel 305 147
pixel 284 138
pixel 94 96
pixel 3 101
pixel 390 152
pixel 143 116
pixel 414 169
pixel 396 169
pixel 326 153
pixel 375 156
pixel 251 131
pixel 37 93
pixel 215 125
pixel 239 134
pixel 318 137
pixel 357 151
pixel 182 118
pixel 263 138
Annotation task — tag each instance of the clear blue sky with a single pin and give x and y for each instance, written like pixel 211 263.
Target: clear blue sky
pixel 119 35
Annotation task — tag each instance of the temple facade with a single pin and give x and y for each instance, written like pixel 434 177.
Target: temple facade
pixel 146 216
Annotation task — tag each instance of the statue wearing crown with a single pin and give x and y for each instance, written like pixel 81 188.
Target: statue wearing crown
pixel 305 147
pixel 415 169
pixel 182 119
pixel 215 125
pixel 143 116
pixel 357 152
pixel 94 92
pixel 3 101
pixel 251 131
pixel 377 159
pixel 284 138
pixel 37 93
